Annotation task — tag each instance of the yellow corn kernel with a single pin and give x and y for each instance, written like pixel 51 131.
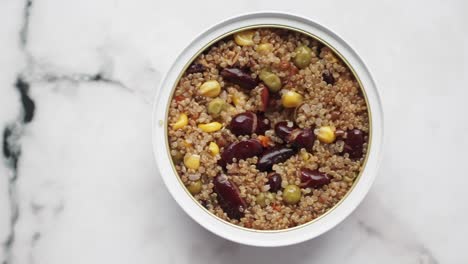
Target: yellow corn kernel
pixel 239 99
pixel 326 134
pixel 291 99
pixel 210 88
pixel 210 127
pixel 192 161
pixel 244 38
pixel 213 148
pixel 265 48
pixel 305 155
pixel 181 122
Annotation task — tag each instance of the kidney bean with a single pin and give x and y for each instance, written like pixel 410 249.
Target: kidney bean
pixel 274 181
pixel 284 128
pixel 243 123
pixel 273 156
pixel 328 77
pixel 196 67
pixel 240 150
pixel 354 143
pixel 263 124
pixel 313 178
pixel 239 77
pixel 248 123
pixel 302 138
pixel 229 197
pixel 265 98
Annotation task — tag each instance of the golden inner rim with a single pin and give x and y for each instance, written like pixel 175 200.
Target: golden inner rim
pixel 307 34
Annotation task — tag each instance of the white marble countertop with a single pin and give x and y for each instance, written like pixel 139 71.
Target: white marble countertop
pixel 78 181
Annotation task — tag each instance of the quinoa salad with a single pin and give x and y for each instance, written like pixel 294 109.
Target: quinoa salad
pixel 268 128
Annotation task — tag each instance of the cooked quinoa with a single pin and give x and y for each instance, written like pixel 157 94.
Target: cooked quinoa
pixel 325 98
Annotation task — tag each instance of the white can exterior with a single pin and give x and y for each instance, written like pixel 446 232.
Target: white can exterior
pixel 254 237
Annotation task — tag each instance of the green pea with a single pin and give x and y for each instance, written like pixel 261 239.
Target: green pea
pixel 178 157
pixel 195 187
pixel 264 199
pixel 260 200
pixel 216 106
pixel 303 57
pixel 292 194
pixel 271 80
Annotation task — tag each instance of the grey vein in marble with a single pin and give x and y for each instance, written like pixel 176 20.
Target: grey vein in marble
pixel 12 154
pixel 12 132
pixel 34 72
pixel 12 135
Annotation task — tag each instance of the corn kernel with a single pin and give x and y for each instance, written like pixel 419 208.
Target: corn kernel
pixel 291 99
pixel 244 38
pixel 305 155
pixel 210 88
pixel 192 161
pixel 210 127
pixel 181 122
pixel 326 134
pixel 239 99
pixel 265 48
pixel 213 148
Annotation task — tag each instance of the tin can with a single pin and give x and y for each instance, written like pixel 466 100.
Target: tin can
pixel 227 230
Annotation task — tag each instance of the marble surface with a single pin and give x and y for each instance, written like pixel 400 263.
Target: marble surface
pixel 78 182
